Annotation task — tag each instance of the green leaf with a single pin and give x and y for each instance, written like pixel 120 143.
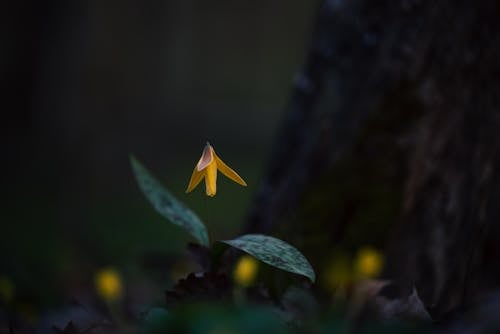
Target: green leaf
pixel 167 205
pixel 274 252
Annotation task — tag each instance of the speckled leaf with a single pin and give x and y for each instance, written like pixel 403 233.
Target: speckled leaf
pixel 274 252
pixel 167 205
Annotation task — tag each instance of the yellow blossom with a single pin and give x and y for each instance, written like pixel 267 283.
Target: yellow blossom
pixel 108 284
pixel 6 290
pixel 245 270
pixel 337 273
pixel 207 168
pixel 368 263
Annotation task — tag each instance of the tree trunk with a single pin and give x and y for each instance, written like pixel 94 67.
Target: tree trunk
pixel 395 117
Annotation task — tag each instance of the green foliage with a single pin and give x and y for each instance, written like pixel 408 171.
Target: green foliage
pixel 167 205
pixel 274 252
pixel 215 318
pixel 202 318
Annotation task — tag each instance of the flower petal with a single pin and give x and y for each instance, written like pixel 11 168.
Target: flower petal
pixel 228 171
pixel 207 157
pixel 196 177
pixel 211 179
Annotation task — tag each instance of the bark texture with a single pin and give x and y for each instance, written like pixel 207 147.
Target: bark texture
pixel 411 91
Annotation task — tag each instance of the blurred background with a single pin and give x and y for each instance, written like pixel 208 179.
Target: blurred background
pixel 85 84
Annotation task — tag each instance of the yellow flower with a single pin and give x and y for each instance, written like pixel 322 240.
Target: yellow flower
pixel 245 270
pixel 368 263
pixel 207 168
pixel 7 289
pixel 337 273
pixel 108 284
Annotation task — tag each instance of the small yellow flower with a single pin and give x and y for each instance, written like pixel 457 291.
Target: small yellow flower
pixel 207 168
pixel 246 270
pixel 368 263
pixel 108 284
pixel 7 290
pixel 337 273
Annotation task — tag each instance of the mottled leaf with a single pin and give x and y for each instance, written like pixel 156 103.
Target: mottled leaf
pixel 274 252
pixel 167 205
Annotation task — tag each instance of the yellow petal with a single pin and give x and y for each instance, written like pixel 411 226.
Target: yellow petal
pixel 207 157
pixel 196 177
pixel 211 179
pixel 369 262
pixel 246 270
pixel 108 284
pixel 228 171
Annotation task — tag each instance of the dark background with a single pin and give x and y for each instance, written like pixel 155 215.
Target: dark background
pixel 355 123
pixel 86 83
